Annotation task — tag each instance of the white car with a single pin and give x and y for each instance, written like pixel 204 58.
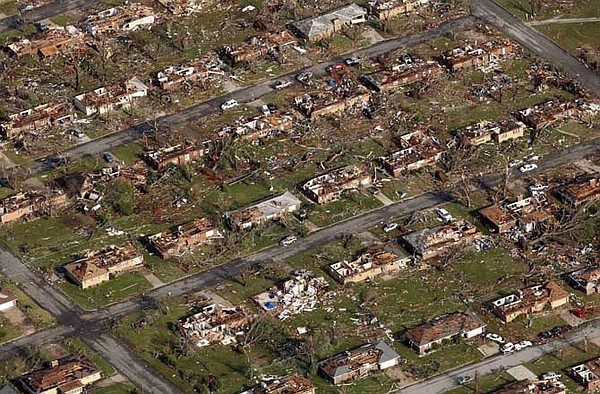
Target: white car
pixel 229 104
pixel 281 85
pixel 522 345
pixel 495 338
pixel 288 240
pixel 532 157
pixel 508 347
pixel 515 162
pixel 528 167
pixel 444 215
pixel 550 376
pixel 390 227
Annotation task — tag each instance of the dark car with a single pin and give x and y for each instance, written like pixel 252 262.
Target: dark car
pixel 561 330
pixel 108 157
pixel 545 335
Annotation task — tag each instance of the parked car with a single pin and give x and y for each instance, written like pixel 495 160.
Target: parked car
pixel 108 157
pixel 528 167
pixel 335 67
pixel 78 133
pixel 508 347
pixel 550 376
pixel 229 104
pixel 288 240
pixel 390 227
pixel 303 76
pixel 579 312
pixel 522 345
pixel 401 193
pixel 444 215
pixel 464 379
pixel 494 337
pixel 282 85
pixel 561 330
pixel 351 61
pixel 532 157
pixel 515 162
pixel 545 335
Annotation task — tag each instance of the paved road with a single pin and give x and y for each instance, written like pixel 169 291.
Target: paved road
pixel 244 95
pixel 562 21
pixel 492 13
pixel 47 11
pixel 501 362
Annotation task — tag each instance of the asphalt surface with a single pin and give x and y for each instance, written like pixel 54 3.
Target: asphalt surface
pixel 243 95
pixel 495 15
pixel 47 11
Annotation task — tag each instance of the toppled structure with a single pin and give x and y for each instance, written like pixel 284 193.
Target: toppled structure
pixel 7 299
pixel 469 56
pixel 294 384
pixel 293 296
pixel 31 204
pixel 69 374
pixel 580 191
pixel 53 40
pixel 388 9
pixel 533 387
pixel 257 47
pixel 97 266
pixel 262 212
pixel 411 69
pixel 119 20
pixel 525 214
pixel 179 154
pixel 547 114
pixel 342 97
pixel 529 300
pixel 330 186
pixel 359 363
pixel 434 242
pixel 587 375
pixel 107 98
pixel 324 26
pixel 419 149
pixel 185 237
pixel 205 68
pixel 185 7
pixel 376 260
pixel 586 279
pixel 497 131
pixel 262 126
pixel 428 335
pixel 216 324
pixel 37 118
pixel 28 5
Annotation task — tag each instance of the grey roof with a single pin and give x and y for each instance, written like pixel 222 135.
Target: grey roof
pixel 311 27
pixel 387 353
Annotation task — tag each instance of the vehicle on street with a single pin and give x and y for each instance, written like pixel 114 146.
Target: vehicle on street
pixel 561 330
pixel 390 227
pixel 522 345
pixel 464 379
pixel 229 104
pixel 303 76
pixel 494 337
pixel 545 335
pixel 508 347
pixel 351 61
pixel 288 240
pixel 279 85
pixel 532 157
pixel 335 67
pixel 108 157
pixel 579 312
pixel 515 162
pixel 550 376
pixel 528 167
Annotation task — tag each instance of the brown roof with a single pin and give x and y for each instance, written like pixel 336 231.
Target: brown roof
pixel 443 327
pixel 69 369
pixel 6 296
pixel 82 270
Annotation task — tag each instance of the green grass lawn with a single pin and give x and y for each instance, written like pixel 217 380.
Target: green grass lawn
pixel 115 388
pixel 485 384
pixel 8 331
pixel 76 345
pixel 39 317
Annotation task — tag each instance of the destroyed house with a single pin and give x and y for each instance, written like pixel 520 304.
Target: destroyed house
pixel 179 154
pixel 118 20
pixel 447 327
pixel 359 363
pixel 69 375
pixel 586 279
pixel 475 56
pixel 533 387
pixel 35 119
pixel 330 186
pixel 174 76
pixel 28 5
pixel 376 260
pixel 525 214
pixel 53 40
pixel 107 98
pixel 30 204
pixel 529 300
pixel 185 7
pixel 7 300
pixel 171 243
pixel 342 97
pixel 487 131
pixel 581 190
pixel 216 324
pixel 414 71
pixel 294 384
pixel 98 266
pixel 263 126
pixel 271 209
pixel 324 26
pixel 547 114
pixel 434 242
pixel 257 47
pixel 418 150
pixel 587 375
pixel 388 9
pixel 299 294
